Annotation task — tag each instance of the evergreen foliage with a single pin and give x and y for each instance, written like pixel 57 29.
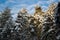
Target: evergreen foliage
pixel 40 26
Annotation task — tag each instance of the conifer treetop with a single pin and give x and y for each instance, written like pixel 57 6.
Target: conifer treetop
pixel 23 10
pixel 38 11
pixel 37 7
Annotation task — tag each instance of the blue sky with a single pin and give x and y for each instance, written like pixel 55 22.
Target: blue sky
pixel 16 5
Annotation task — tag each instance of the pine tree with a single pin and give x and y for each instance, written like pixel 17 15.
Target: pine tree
pixel 22 23
pixel 6 23
pixel 47 24
pixel 39 15
pixel 22 20
pixel 5 16
pixel 47 29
